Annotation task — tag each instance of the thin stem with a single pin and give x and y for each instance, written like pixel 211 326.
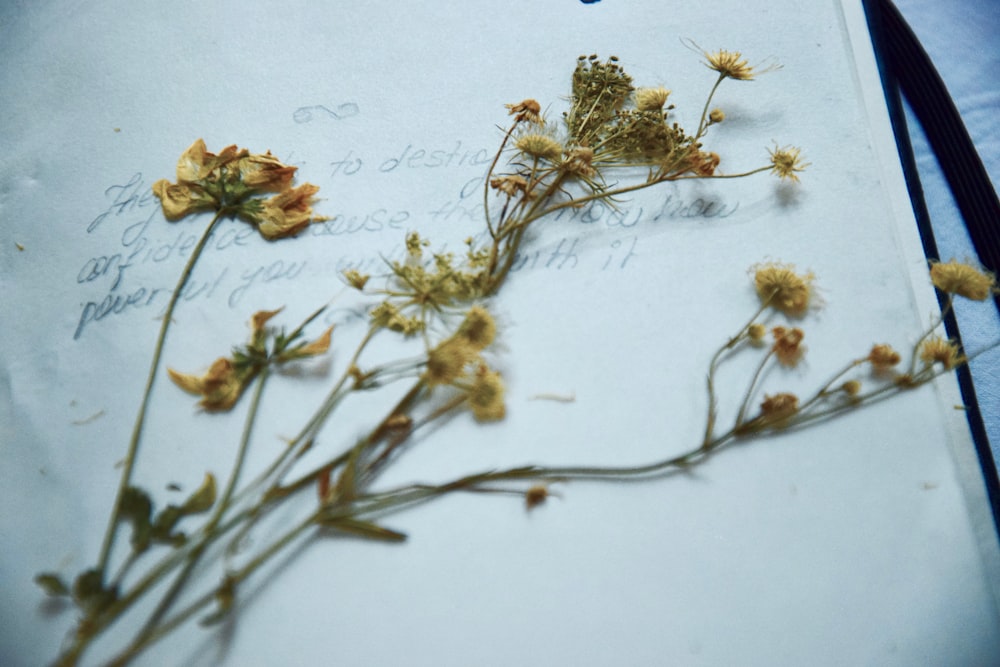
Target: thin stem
pixel 220 509
pixel 154 368
pixel 704 112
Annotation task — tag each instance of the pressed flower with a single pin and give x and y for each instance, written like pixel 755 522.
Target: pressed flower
pixel 356 279
pixel 182 199
pixel 447 361
pixel 730 64
pixel 286 213
pixel 317 347
pixel 716 116
pixel 478 328
pixel 756 332
pixel 779 407
pixel 939 350
pixel 703 163
pixel 963 279
pixel 510 184
pixel 779 286
pixel 882 357
pixel 787 345
pixel 651 99
pixel 486 395
pixel 219 388
pixel 265 173
pixel 260 319
pixel 786 162
pixel 526 110
pixel 539 146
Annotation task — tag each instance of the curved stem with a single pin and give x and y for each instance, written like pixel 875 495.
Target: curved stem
pixel 140 420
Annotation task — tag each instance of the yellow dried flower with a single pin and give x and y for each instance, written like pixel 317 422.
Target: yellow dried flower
pixel 317 347
pixel 539 146
pixel 356 279
pixel 260 319
pixel 882 357
pixel 526 110
pixel 651 99
pixel 938 350
pixel 756 332
pixel 787 345
pixel 265 173
pixel 963 279
pixel 288 212
pixel 182 199
pixel 786 162
pixel 220 387
pixel 447 361
pixel 716 116
pixel 781 288
pixel 729 64
pixel 478 328
pixel 486 395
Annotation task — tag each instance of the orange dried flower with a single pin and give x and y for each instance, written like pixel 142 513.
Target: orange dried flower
pixel 787 345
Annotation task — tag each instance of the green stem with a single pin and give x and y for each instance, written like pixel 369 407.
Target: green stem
pixel 220 509
pixel 140 420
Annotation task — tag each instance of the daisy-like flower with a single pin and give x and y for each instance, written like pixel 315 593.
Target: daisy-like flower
pixel 786 162
pixel 963 279
pixel 539 146
pixel 729 64
pixel 780 287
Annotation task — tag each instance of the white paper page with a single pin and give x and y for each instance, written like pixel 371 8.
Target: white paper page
pixel 866 540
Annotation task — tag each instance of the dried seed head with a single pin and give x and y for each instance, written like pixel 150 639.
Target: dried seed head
pixel 963 279
pixel 938 350
pixel 882 357
pixel 781 288
pixel 540 146
pixel 651 99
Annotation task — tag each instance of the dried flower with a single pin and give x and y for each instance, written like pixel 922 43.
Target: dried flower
pixel 787 345
pixel 729 64
pixel 779 407
pixel 756 332
pixel 356 279
pixel 486 395
pixel 716 116
pixel 939 350
pixel 786 162
pixel 703 163
pixel 288 212
pixel 580 162
pixel 317 347
pixel 182 199
pixel 265 173
pixel 539 146
pixel 526 110
pixel 963 279
pixel 510 184
pixel 219 388
pixel 478 328
pixel 651 99
pixel 446 363
pixel 781 288
pixel 882 357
